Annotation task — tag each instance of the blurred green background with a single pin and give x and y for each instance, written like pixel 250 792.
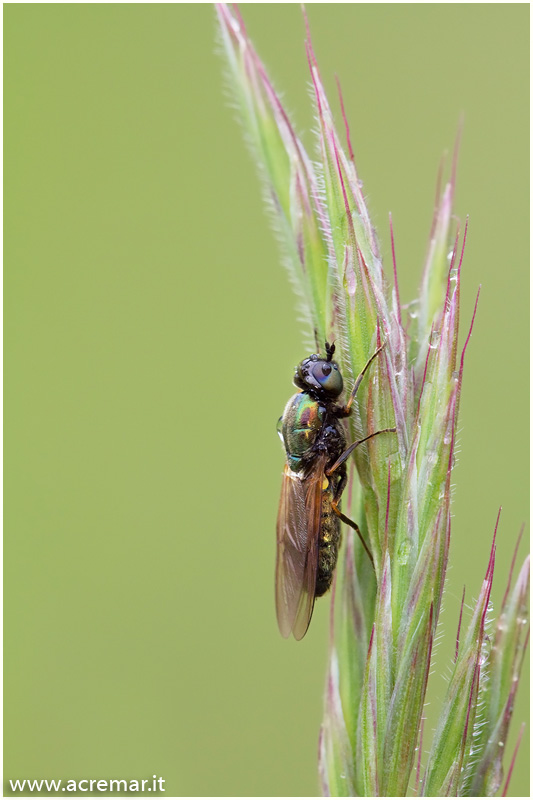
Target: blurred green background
pixel 150 339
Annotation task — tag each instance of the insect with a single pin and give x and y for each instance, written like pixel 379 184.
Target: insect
pixel 315 475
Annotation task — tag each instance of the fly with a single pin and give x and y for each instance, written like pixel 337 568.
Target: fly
pixel 315 476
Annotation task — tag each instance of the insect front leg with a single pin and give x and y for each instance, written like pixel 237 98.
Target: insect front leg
pixel 344 411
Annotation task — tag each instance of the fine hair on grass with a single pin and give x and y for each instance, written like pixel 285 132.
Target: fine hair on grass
pixel 385 610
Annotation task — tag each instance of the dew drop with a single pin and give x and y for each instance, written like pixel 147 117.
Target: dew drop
pixel 434 340
pixel 412 309
pixel 453 275
pixel 448 434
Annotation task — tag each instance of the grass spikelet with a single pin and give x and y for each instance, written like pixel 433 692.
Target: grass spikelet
pixel 384 616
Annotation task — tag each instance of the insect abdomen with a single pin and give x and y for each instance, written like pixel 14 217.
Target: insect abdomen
pixel 328 544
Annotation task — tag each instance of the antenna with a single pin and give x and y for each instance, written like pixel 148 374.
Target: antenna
pixel 330 349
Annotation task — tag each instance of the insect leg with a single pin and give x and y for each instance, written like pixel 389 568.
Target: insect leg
pixel 347 453
pixel 347 408
pixel 355 526
pixel 343 478
pixel 340 464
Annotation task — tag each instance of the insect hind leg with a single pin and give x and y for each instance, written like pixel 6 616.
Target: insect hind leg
pixel 355 526
pixel 343 479
pixel 340 466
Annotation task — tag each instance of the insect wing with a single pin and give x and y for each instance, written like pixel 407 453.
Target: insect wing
pixel 298 530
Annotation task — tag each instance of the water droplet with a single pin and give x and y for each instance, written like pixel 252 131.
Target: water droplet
pixel 434 340
pixel 455 376
pixel 453 275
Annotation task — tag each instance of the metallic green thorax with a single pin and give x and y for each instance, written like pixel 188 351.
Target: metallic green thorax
pixel 299 426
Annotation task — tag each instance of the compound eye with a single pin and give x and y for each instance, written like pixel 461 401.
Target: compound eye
pixel 328 377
